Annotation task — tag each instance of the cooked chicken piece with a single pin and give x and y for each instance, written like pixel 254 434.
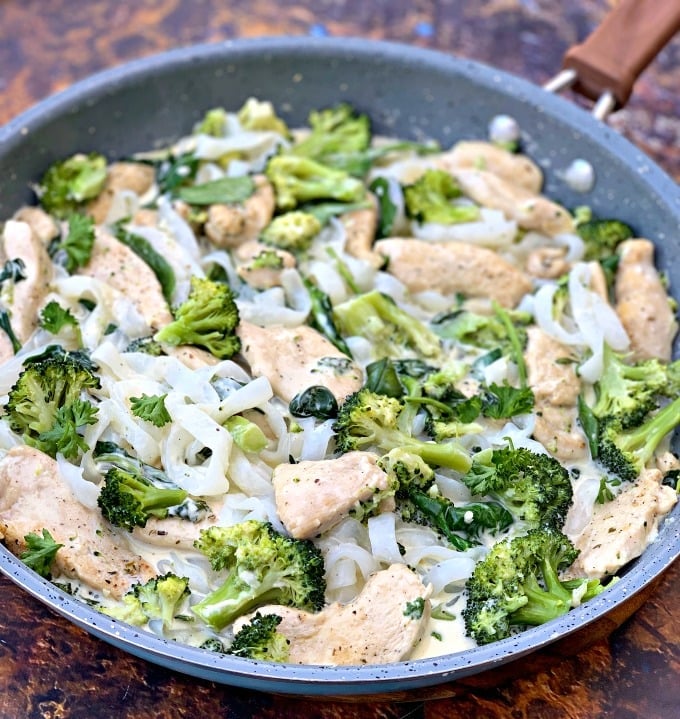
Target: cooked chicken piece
pixel 229 226
pixel 620 530
pixel 27 295
pixel 313 496
pixel 134 176
pixel 192 357
pixel 173 532
pixel 598 281
pixel 295 358
pixel 44 227
pixel 34 496
pixel 145 217
pixel 667 461
pixel 530 210
pixel 511 167
pixel 642 302
pixel 117 265
pixel 382 625
pixel 262 277
pixel 547 262
pixel 451 267
pixel 360 231
pixel 556 388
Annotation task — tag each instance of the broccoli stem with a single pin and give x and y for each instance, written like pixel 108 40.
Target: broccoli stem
pixel 232 599
pixel 446 454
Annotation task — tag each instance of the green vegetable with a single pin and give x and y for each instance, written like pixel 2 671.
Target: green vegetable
pixel 625 452
pixel 78 243
pixel 428 199
pixel 518 583
pixel 226 190
pixel 45 406
pixel 334 130
pixel 54 317
pixel 151 408
pixel 415 609
pixel 535 488
pixel 259 639
pixel 390 330
pixel 298 180
pixel 174 172
pixel 160 266
pixel 214 123
pixel 6 327
pixel 388 210
pixel 260 116
pixel 68 184
pixel 128 500
pixel 161 597
pixel 14 270
pixel 315 401
pixel 207 318
pixel 262 567
pixel 247 435
pixel 322 317
pixel 292 231
pixel 602 237
pixel 40 552
pixel 369 420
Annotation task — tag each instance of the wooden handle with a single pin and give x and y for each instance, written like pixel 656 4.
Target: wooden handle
pixel 614 55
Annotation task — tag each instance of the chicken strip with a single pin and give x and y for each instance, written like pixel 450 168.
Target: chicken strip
pixel 530 210
pixel 34 496
pixel 229 226
pixel 117 265
pixel 381 625
pixel 556 387
pixel 511 167
pixel 620 530
pixel 452 267
pixel 44 226
pixel 313 496
pixel 136 177
pixel 258 274
pixel 360 228
pixel 642 302
pixel 295 358
pixel 27 295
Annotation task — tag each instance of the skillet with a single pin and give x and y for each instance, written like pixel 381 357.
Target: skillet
pixel 408 92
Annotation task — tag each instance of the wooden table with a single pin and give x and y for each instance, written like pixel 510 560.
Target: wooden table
pixel 49 668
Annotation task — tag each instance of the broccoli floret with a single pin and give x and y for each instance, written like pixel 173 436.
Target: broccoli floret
pixel 128 499
pixel 258 115
pixel 334 130
pixel 535 488
pixel 517 583
pixel 263 567
pixel 412 483
pixel 160 598
pixel 214 123
pixel 259 639
pixel 266 260
pixel 207 318
pixel 428 199
pixel 625 452
pixel 388 328
pixel 602 237
pixel 628 392
pixel 367 419
pixel 292 231
pixel 45 405
pixel 299 179
pixel 110 456
pixel 147 345
pixel 68 184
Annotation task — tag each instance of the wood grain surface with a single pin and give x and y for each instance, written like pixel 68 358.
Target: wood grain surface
pixel 51 669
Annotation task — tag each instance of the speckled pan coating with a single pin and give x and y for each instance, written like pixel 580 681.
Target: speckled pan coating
pixel 409 92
